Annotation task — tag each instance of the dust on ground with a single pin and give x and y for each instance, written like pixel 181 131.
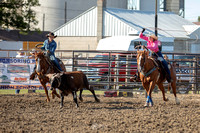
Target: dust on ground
pixel 31 113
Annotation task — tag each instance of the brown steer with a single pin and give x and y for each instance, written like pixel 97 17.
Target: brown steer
pixel 70 82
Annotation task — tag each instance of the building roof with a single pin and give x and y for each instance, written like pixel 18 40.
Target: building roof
pixel 169 24
pixel 122 22
pixel 15 35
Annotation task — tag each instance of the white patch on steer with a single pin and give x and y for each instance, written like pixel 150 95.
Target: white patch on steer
pixel 72 77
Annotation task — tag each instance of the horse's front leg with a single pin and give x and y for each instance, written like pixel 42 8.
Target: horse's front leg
pixel 46 92
pixel 146 87
pixel 151 87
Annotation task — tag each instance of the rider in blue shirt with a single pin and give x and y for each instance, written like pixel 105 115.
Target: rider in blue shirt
pixel 49 46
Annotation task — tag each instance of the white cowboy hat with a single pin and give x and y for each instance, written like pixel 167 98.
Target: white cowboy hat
pixel 20 50
pixel 32 51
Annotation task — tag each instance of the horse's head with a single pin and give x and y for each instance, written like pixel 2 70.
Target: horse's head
pixel 141 59
pixel 40 62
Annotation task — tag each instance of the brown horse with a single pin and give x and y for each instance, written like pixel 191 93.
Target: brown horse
pixel 151 75
pixel 45 66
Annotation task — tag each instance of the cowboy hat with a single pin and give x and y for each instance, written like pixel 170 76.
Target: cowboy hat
pixel 32 51
pixel 154 37
pixel 51 34
pixel 20 51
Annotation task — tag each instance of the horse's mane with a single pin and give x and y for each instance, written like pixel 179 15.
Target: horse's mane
pixel 40 54
pixel 143 51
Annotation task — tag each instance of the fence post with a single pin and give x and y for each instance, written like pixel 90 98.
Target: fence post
pixel 74 61
pixel 127 70
pixel 196 73
pixel 109 71
pixel 116 79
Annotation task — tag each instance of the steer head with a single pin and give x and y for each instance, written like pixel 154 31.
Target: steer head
pixel 54 79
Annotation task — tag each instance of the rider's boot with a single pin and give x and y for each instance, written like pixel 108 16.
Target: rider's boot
pixel 169 80
pixel 135 77
pixel 33 75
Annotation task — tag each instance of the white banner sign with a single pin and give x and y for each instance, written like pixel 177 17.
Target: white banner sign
pixel 15 73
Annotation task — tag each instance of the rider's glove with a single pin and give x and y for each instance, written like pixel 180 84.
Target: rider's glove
pixel 143 30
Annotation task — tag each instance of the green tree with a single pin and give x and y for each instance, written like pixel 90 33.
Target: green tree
pixel 17 14
pixel 199 19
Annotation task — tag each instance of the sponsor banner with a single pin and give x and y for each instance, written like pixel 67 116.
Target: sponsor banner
pixel 17 60
pixel 30 87
pixel 15 73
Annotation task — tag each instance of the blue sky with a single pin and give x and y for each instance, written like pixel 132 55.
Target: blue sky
pixel 192 10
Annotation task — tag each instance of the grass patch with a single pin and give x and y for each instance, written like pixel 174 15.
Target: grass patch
pixel 25 91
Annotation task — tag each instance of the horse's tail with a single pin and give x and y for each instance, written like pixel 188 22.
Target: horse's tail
pixel 173 76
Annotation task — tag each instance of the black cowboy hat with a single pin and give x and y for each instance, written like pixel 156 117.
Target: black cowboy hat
pixel 51 34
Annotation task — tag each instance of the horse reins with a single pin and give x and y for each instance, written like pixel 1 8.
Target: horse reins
pixel 147 73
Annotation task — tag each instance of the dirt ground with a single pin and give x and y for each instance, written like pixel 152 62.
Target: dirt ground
pixel 31 113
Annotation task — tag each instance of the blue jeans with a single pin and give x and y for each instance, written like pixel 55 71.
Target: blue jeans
pixel 55 61
pixel 163 62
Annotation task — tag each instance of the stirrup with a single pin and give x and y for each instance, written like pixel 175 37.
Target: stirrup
pixel 134 78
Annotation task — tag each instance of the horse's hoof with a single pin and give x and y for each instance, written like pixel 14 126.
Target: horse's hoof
pixel 177 101
pixel 150 105
pixel 146 105
pixel 166 99
pixel 47 100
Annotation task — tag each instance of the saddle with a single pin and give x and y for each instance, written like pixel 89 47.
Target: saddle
pixel 52 64
pixel 159 65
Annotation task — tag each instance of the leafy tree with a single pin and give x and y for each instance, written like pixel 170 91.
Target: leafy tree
pixel 17 14
pixel 199 19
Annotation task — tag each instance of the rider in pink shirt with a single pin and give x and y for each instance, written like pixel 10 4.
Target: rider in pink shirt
pixel 152 44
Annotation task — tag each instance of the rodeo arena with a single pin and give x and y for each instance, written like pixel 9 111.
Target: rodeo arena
pixel 95 71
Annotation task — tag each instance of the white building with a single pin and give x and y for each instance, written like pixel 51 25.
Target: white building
pixel 54 13
pixel 84 31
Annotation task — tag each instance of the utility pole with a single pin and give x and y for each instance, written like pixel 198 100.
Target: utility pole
pixel 65 11
pixel 43 22
pixel 156 23
pixel 156 19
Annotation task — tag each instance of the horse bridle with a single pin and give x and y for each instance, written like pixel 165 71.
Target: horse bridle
pixel 49 66
pixel 142 68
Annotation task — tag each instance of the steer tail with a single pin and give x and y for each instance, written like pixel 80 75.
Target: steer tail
pixel 85 81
